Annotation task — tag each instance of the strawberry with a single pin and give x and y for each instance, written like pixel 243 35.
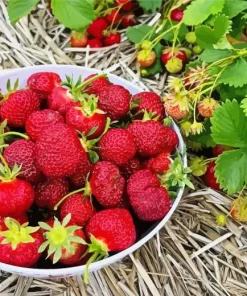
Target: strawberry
pixel 79 177
pixel 159 164
pixel 174 65
pixel 206 107
pixel 219 149
pixel 195 77
pixel 177 15
pixel 150 102
pixel 39 120
pixel 18 106
pixel 85 117
pixel 126 5
pixel 112 38
pixel 115 101
pixel 19 244
pixel 94 43
pixel 49 192
pixel 107 184
pixel 60 100
pixel 113 17
pixel 149 137
pixel 128 20
pixel 146 58
pixel 58 151
pixel 238 209
pixel 80 208
pixel 175 108
pixel 78 39
pixel 117 146
pixel 65 241
pixel 170 53
pixel 209 177
pixel 22 153
pixel 171 140
pixel 97 85
pixel 97 27
pixel 131 167
pixel 43 83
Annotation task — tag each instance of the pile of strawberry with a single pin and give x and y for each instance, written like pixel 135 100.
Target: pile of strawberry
pixel 104 31
pixel 85 161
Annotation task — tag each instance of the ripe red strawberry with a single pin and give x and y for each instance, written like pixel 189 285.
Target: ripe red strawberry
pixel 49 192
pixel 22 153
pixel 146 58
pixel 58 151
pixel 171 141
pixel 78 39
pixel 19 244
pixel 97 85
pixel 170 53
pixel 140 181
pixel 107 184
pixel 238 209
pixel 39 120
pixel 80 208
pixel 85 116
pixel 117 146
pixel 128 20
pixel 126 5
pixel 112 38
pixel 150 102
pixel 79 177
pixel 21 219
pixel 60 100
pixel 159 164
pixel 18 106
pixel 111 230
pixel 209 177
pixel 94 43
pixel 113 17
pixel 65 241
pixel 97 27
pixel 115 101
pixel 43 83
pixel 131 167
pixel 177 15
pixel 207 106
pixel 219 149
pixel 149 136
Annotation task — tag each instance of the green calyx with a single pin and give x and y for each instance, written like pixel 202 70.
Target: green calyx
pixel 17 233
pixel 6 174
pixel 89 105
pixel 10 90
pixel 58 237
pixel 149 116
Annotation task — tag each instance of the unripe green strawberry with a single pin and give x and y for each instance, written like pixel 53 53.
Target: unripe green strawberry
pixel 190 37
pixel 174 65
pixel 197 49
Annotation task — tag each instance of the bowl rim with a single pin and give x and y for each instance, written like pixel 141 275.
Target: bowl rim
pixel 70 271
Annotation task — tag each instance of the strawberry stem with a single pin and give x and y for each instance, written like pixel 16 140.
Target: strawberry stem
pixel 26 137
pixel 90 260
pixel 66 196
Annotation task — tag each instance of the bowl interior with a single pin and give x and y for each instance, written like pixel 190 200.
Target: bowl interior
pixel 22 74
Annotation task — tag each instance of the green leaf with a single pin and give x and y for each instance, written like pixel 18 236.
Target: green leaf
pixel 199 10
pixel 234 7
pixel 205 137
pixel 213 55
pixel 137 34
pixel 150 5
pixel 235 74
pixel 229 125
pixel 19 8
pixel 183 30
pixel 238 24
pixel 76 14
pixel 244 106
pixel 229 92
pixel 208 36
pixel 231 170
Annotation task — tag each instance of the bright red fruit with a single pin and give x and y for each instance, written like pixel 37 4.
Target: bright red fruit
pixel 149 136
pixel 128 20
pixel 113 17
pixel 115 101
pixel 171 140
pixel 78 39
pixel 150 102
pixel 60 100
pixel 97 85
pixel 107 184
pixel 97 28
pixel 112 38
pixel 131 167
pixel 209 177
pixel 219 149
pixel 159 164
pixel 177 15
pixel 43 83
pixel 22 153
pixel 18 106
pixel 94 43
pixel 112 229
pixel 49 192
pixel 39 120
pixel 117 146
pixel 80 208
pixel 168 53
pixel 58 151
pixel 126 5
pixel 22 244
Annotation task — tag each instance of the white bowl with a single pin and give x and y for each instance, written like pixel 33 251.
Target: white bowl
pixel 62 70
